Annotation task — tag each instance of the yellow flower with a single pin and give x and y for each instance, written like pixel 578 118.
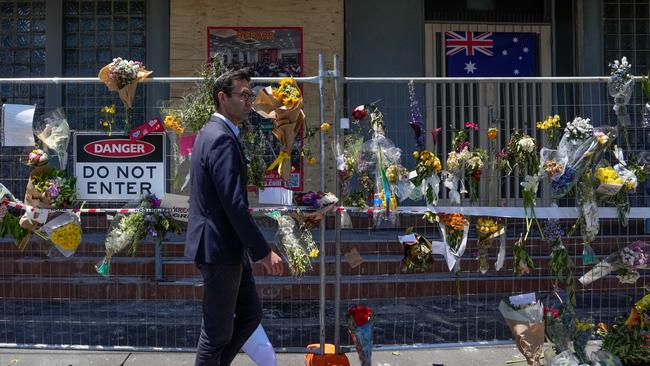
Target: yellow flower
pixel 314 253
pixel 312 160
pixel 630 185
pixel 416 154
pixel 110 109
pixel 549 122
pixel 492 133
pixel 325 127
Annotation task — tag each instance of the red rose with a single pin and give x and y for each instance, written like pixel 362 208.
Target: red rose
pixel 360 314
pixel 477 175
pixel 554 313
pixel 359 113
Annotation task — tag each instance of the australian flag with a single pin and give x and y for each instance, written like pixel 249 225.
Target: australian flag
pixel 491 54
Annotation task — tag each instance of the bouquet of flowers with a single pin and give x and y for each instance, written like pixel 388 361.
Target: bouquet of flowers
pixel 645 110
pixel 580 145
pixel 454 228
pixel 64 231
pixel 620 87
pixel 417 254
pixel 54 133
pixel 426 179
pixel 360 319
pixel 464 162
pixel 347 157
pixel 526 322
pixel 629 338
pixel 561 264
pixel 377 155
pixel 488 230
pixel 123 76
pixel 55 187
pixel 10 224
pixel 108 121
pixel 295 253
pixel 627 261
pixel 560 323
pixel 455 173
pixel 284 106
pixel 128 230
pixel 551 127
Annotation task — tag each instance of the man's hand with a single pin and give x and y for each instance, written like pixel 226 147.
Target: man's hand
pixel 273 264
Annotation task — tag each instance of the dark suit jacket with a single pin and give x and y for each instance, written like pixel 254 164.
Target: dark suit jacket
pixel 220 229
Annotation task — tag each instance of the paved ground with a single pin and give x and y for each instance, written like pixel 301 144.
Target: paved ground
pixel 491 355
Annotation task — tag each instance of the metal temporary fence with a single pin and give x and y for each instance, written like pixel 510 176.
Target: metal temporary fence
pixel 152 301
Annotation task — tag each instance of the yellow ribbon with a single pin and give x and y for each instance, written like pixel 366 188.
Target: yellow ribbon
pixel 279 162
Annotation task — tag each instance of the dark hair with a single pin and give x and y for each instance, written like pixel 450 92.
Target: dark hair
pixel 224 83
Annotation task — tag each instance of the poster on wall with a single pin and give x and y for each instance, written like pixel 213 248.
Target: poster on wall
pixel 491 54
pixel 264 52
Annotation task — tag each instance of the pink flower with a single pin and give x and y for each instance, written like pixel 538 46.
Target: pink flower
pixel 435 133
pixel 471 125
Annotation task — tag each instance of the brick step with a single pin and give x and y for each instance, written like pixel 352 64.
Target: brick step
pixel 381 242
pixel 176 268
pixel 283 288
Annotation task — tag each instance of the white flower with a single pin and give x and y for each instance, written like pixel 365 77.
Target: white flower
pixel 526 144
pixel 530 183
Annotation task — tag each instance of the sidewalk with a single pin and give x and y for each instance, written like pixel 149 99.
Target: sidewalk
pixel 464 356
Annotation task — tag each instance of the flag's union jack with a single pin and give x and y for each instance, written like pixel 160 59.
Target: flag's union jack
pixel 469 42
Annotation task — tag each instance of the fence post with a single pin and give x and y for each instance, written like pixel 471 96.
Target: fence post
pixel 321 313
pixel 337 214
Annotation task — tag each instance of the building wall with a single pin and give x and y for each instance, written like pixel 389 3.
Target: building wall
pixel 322 23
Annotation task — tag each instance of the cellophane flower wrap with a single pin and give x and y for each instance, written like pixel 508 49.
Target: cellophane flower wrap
pixel 526 323
pixel 378 155
pixel 427 181
pixel 129 229
pixel 454 228
pixel 626 261
pixel 360 320
pixel 489 229
pixel 54 132
pixel 284 105
pixel 620 86
pixel 417 254
pixel 123 76
pixel 289 244
pixel 580 146
pixel 64 231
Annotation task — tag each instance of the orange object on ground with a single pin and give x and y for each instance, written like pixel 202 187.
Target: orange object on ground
pixel 327 359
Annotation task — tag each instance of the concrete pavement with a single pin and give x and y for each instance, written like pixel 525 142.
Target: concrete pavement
pixel 474 356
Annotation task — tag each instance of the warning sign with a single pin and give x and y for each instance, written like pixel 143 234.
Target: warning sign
pixel 118 168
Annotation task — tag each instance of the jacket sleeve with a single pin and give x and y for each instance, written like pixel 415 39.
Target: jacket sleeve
pixel 224 166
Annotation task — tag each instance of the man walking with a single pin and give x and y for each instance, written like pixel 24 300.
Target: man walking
pixel 221 234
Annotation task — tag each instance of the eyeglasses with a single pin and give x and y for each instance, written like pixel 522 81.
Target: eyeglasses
pixel 246 97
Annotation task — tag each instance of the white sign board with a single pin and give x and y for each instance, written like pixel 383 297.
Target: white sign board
pixel 118 168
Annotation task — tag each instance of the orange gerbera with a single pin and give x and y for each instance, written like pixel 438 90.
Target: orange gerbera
pixel 454 221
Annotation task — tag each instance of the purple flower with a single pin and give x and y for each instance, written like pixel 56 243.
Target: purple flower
pixel 54 188
pixel 148 217
pixel 310 199
pixel 417 122
pixel 462 146
pixel 152 232
pixel 552 231
pixel 155 202
pixel 503 154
